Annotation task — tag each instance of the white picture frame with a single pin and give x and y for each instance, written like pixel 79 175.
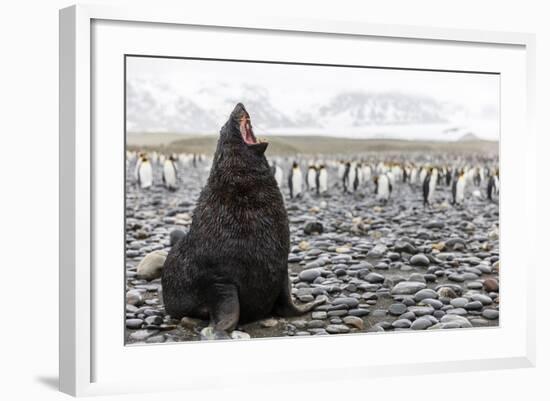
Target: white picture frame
pixel 89 358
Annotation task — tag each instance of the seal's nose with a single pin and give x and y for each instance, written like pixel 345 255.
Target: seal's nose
pixel 239 110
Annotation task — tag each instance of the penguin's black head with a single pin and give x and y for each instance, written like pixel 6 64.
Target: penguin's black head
pixel 294 165
pixel 238 131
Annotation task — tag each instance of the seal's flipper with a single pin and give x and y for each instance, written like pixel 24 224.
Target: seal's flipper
pixel 223 307
pixel 286 308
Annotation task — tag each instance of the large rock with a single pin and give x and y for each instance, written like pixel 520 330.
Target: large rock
pixel 151 265
pixel 419 260
pixel 374 278
pixel 424 294
pixel 313 227
pixel 490 314
pixel 407 288
pixel 491 285
pixel 133 297
pixel 309 274
pixel 421 324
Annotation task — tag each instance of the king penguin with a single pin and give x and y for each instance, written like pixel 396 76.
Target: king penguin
pixel 352 176
pixel 144 172
pixel 367 171
pixel 358 176
pixel 170 174
pixel 345 177
pixel 413 175
pixel 322 180
pixel 295 180
pixel 493 185
pixel 311 177
pixel 382 187
pixel 341 169
pixel 448 176
pixel 278 174
pixel 459 184
pixel 428 186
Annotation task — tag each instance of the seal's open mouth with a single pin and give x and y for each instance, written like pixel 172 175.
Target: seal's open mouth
pixel 247 134
pixel 246 130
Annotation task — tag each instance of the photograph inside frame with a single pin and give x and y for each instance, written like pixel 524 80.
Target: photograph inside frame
pixel 270 199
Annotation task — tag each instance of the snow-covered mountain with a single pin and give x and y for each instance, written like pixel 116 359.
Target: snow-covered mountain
pixel 160 108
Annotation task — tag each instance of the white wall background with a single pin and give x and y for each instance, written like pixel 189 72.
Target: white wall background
pixel 28 196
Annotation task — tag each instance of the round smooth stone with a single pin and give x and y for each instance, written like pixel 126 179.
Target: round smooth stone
pixel 421 324
pixel 379 313
pixel 408 315
pixel 359 312
pixel 491 285
pixel 319 315
pixel 474 305
pixel 134 323
pixel 434 303
pixel 419 260
pixel 401 324
pixel 484 299
pixel 354 321
pixel 337 313
pixel 315 324
pixel 407 288
pixel 421 310
pixel 459 302
pixel 457 311
pixel 349 302
pixel 337 329
pixel 460 321
pixel 490 314
pixel 425 293
pixel 474 285
pixel 309 274
pixel 397 309
pixel 456 277
pixel 374 278
pixel 153 320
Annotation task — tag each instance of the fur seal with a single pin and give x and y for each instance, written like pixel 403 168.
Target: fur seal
pixel 232 265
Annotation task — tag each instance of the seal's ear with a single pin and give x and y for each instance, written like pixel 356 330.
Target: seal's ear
pixel 259 148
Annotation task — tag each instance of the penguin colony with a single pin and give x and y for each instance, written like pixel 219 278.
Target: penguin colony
pixel 374 198
pixel 454 181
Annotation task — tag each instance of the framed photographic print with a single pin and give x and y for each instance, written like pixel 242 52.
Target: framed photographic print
pixel 236 193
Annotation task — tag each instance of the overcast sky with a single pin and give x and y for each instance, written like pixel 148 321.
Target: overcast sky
pixel 294 89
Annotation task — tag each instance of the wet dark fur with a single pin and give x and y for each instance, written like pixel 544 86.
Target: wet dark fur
pixel 234 258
